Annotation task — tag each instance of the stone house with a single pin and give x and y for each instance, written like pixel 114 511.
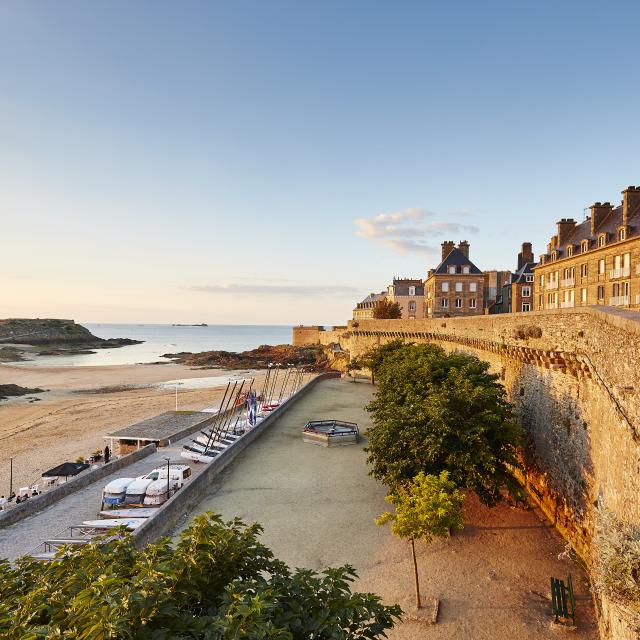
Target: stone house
pixel 456 286
pixel 364 310
pixel 409 294
pixel 596 262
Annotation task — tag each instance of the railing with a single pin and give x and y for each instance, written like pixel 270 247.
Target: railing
pixel 568 282
pixel 567 304
pixel 552 285
pixel 619 301
pixel 621 272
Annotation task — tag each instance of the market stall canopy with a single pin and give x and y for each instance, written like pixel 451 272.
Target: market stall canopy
pixel 66 469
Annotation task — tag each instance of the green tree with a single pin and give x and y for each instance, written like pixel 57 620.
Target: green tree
pixel 426 507
pixel 387 310
pixel 217 583
pixel 436 412
pixel 374 358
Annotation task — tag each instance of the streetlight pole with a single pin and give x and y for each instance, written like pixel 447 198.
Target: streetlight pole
pixel 176 397
pixel 10 477
pixel 168 459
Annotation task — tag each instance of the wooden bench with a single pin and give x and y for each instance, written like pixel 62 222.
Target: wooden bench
pixel 563 604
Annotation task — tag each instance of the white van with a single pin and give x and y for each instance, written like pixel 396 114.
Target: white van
pixel 157 490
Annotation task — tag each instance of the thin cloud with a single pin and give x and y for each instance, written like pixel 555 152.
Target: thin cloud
pixel 277 290
pixel 411 230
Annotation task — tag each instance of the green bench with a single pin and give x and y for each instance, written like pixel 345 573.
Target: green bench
pixel 563 604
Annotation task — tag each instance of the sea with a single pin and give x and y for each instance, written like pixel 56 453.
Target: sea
pixel 164 338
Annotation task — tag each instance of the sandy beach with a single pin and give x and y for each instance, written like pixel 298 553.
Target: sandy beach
pixel 81 405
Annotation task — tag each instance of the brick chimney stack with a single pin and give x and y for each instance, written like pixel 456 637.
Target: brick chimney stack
pixel 525 255
pixel 599 211
pixel 565 227
pixel 463 247
pixel 447 248
pixel 630 203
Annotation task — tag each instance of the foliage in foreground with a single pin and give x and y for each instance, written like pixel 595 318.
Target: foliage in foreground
pixel 616 569
pixel 218 582
pixel 427 507
pixel 436 412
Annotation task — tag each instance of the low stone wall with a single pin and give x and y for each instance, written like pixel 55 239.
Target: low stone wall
pixel 46 499
pixel 194 491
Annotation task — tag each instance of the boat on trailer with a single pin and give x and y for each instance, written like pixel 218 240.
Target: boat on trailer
pixel 107 524
pixel 139 512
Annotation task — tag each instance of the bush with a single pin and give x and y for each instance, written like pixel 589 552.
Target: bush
pixel 217 583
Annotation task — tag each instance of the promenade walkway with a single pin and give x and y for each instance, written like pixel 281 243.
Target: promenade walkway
pixel 317 507
pixel 24 536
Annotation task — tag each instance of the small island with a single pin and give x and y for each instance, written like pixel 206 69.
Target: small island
pixel 202 324
pixel 52 337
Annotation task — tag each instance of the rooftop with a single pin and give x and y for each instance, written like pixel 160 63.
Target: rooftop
pixel 163 428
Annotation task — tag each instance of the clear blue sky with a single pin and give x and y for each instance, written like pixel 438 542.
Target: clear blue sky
pixel 229 162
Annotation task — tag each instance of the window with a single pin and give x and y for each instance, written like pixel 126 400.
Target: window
pixel 412 305
pixel 473 287
pixel 585 246
pixel 554 256
pixel 584 270
pixel 452 269
pixel 472 303
pixel 570 250
pixel 622 234
pixel 602 239
pixel 465 269
pixel 445 303
pixel 526 306
pixel 601 292
pixel 412 291
pixel 543 259
pixel 601 267
pixel 445 287
pixel 526 292
pixel 458 286
pixel 530 278
pixel 458 303
pixel 542 280
pixel 583 295
pixel 550 298
pixel 540 301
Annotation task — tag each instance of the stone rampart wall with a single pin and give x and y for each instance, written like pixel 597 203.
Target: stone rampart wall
pixel 574 378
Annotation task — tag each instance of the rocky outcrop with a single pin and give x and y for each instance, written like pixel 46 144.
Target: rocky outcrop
pixel 13 390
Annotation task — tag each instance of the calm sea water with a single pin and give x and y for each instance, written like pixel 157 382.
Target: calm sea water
pixel 162 338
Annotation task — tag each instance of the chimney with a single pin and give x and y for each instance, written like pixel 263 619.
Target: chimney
pixel 525 255
pixel 630 203
pixel 553 244
pixel 447 248
pixel 463 247
pixel 565 227
pixel 599 211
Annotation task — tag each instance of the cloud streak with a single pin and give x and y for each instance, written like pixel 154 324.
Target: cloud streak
pixel 292 290
pixel 411 230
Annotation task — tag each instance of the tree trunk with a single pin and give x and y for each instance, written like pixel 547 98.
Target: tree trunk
pixel 415 574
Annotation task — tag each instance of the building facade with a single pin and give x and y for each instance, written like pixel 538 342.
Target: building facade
pixel 494 281
pixel 456 286
pixel 409 294
pixel 594 262
pixel 364 310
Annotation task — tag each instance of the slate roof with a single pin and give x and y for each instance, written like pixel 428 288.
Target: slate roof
pixel 162 428
pixel 401 287
pixel 458 259
pixel 525 270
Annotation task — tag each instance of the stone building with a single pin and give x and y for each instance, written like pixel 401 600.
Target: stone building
pixel 364 310
pixel 517 294
pixel 594 262
pixel 494 280
pixel 409 294
pixel 456 286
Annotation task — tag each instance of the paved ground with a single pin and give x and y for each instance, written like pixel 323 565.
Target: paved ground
pixel 26 535
pixel 317 507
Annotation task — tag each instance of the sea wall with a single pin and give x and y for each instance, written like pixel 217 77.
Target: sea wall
pixel 574 378
pixel 46 499
pixel 185 500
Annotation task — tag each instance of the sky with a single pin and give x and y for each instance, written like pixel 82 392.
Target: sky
pixel 274 162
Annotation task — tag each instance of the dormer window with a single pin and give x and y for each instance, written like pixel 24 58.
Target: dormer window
pixel 465 270
pixel 543 259
pixel 569 250
pixel 554 256
pixel 602 240
pixel 412 291
pixel 622 233
pixel 585 246
pixel 452 269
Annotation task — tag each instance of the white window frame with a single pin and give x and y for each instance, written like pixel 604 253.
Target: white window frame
pixel 526 292
pixel 445 287
pixel 473 287
pixel 412 291
pixel 466 270
pixel 458 286
pixel 526 306
pixel 472 303
pixel 459 303
pixel 531 279
pixel 444 303
pixel 451 269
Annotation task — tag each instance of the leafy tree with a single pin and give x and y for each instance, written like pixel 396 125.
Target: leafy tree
pixel 374 358
pixel 387 310
pixel 217 583
pixel 436 412
pixel 353 366
pixel 426 507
